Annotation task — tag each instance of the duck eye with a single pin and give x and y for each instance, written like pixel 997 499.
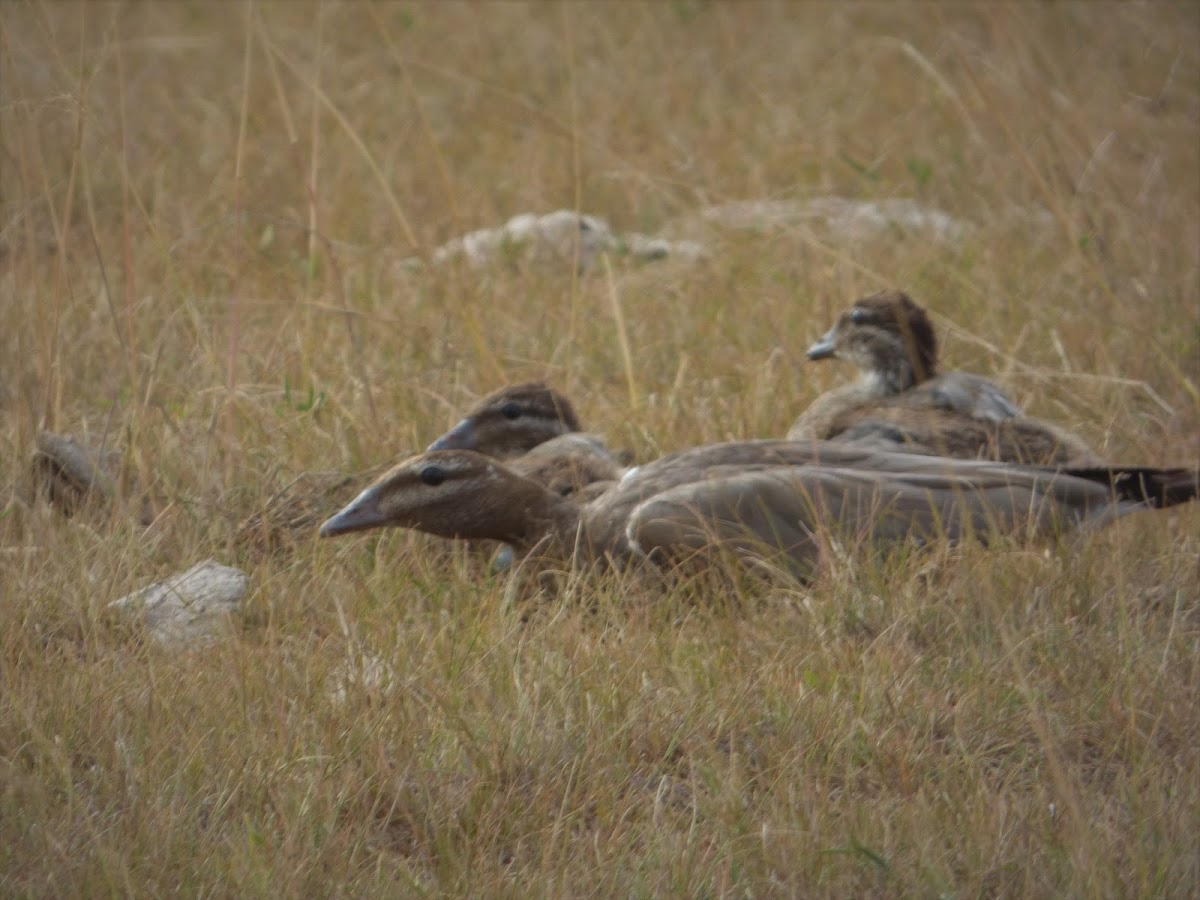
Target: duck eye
pixel 511 410
pixel 858 316
pixel 433 475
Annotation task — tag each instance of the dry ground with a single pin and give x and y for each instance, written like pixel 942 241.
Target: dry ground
pixel 202 207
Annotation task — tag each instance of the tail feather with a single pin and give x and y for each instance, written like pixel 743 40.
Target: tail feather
pixel 1143 484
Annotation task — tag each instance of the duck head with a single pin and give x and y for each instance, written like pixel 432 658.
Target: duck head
pixel 887 336
pixel 453 494
pixel 512 421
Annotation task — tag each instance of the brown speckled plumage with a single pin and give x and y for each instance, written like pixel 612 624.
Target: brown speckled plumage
pixel 902 402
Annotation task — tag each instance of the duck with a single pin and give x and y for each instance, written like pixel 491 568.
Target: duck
pixel 536 429
pixel 901 402
pixel 781 496
pixel 531 426
pixel 511 421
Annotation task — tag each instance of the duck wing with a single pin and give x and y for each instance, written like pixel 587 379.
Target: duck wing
pixel 926 430
pixel 782 494
pixel 794 513
pixel 961 392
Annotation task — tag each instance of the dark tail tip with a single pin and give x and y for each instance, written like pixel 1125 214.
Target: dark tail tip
pixel 1178 486
pixel 1158 487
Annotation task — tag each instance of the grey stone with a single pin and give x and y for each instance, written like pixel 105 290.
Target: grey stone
pixel 191 606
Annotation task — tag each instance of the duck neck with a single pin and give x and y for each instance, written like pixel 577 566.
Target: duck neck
pixel 529 515
pixel 820 419
pixel 892 377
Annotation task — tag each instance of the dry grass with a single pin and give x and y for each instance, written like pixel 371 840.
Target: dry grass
pixel 201 208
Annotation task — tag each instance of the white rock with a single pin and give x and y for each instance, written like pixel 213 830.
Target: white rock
pixel 551 239
pixel 190 606
pixel 543 239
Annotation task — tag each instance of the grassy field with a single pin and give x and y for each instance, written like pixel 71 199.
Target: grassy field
pixel 204 209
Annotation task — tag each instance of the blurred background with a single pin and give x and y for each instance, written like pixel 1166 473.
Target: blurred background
pixel 208 209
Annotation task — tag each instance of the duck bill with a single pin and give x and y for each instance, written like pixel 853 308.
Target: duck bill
pixel 822 349
pixel 461 437
pixel 363 512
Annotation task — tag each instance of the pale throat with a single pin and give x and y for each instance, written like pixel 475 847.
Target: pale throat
pixel 887 377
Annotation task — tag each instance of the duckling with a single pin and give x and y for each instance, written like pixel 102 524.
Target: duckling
pixel 745 496
pixel 903 403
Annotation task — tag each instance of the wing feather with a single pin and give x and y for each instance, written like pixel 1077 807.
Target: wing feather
pixel 789 511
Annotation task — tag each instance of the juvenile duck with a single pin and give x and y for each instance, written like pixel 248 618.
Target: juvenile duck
pixel 511 421
pixel 742 496
pixel 892 342
pixel 536 428
pixel 901 401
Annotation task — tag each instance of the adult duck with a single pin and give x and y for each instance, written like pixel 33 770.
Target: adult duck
pixel 531 426
pixel 782 496
pixel 901 401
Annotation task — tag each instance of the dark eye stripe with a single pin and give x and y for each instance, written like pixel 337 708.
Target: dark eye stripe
pixel 511 410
